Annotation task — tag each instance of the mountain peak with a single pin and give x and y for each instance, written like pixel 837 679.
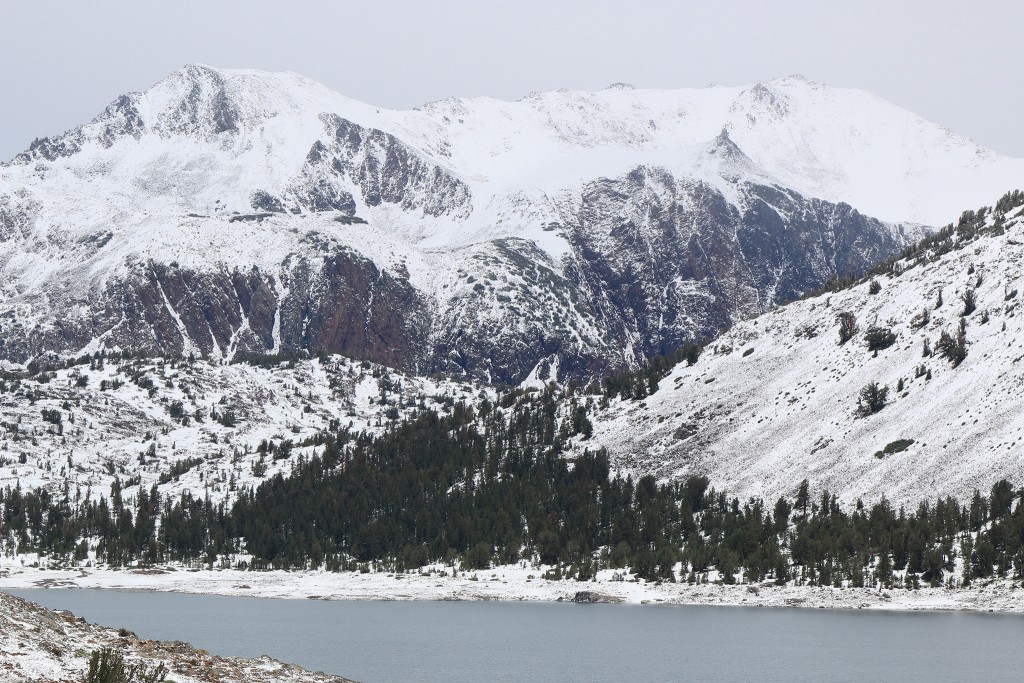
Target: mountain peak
pixel 199 70
pixel 798 81
pixel 833 143
pixel 724 148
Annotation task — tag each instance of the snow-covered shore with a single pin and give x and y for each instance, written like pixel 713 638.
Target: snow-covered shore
pixel 514 583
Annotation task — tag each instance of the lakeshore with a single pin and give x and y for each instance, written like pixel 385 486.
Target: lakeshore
pixel 509 583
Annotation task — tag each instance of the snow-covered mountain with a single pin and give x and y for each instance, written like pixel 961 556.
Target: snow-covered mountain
pixel 777 398
pixel 225 212
pixel 774 400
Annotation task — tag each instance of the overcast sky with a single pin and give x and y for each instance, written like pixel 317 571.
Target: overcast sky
pixel 957 63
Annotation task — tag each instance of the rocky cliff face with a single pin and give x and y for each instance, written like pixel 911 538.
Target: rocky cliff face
pixel 675 261
pixel 653 262
pixel 341 302
pixel 224 212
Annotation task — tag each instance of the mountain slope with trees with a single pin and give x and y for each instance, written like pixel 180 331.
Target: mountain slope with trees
pixel 917 480
pixel 905 384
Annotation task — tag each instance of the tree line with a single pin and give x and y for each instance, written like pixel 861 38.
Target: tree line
pixel 494 484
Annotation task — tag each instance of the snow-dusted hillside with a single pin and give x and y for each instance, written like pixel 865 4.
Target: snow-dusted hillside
pixel 772 401
pixel 776 399
pixel 226 211
pixel 200 427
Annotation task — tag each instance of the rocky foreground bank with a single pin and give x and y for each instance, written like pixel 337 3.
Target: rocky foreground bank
pixel 45 646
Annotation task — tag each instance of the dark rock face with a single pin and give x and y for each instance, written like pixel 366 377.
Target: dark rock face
pixel 15 220
pixel 383 168
pixel 387 171
pixel 673 261
pixel 264 201
pixel 51 148
pixel 347 305
pixel 121 118
pixel 204 107
pixel 593 597
pixel 654 262
pixel 342 304
pixel 519 312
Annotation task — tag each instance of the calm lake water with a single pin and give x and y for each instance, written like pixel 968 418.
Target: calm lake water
pixel 377 642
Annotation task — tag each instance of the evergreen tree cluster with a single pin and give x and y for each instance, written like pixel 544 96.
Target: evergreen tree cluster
pixel 491 485
pixel 642 382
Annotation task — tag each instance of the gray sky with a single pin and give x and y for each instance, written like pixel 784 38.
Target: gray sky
pixel 957 63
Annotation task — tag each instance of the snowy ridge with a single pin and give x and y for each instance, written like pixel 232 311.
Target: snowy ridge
pixel 776 399
pixel 190 216
pixel 831 143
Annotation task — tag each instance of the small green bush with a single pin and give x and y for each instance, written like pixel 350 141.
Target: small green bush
pixel 879 338
pixel 954 349
pixel 106 665
pixel 970 300
pixel 897 446
pixel 847 326
pixel 873 398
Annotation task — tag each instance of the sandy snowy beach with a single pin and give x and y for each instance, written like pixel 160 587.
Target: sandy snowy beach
pixel 513 583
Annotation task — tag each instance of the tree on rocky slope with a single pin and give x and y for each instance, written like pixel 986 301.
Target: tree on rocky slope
pixel 954 349
pixel 872 398
pixel 847 326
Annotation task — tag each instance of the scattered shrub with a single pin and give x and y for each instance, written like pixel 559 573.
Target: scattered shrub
pixel 874 287
pixel 879 338
pixel 807 331
pixel 897 446
pixel 873 398
pixel 177 469
pixel 847 326
pixel 921 319
pixel 177 409
pixel 970 300
pixel 108 666
pixel 954 349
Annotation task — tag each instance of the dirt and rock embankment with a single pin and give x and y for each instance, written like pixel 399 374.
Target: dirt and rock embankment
pixel 45 646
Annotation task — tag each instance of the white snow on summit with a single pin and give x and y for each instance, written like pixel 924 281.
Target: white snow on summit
pixel 208 135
